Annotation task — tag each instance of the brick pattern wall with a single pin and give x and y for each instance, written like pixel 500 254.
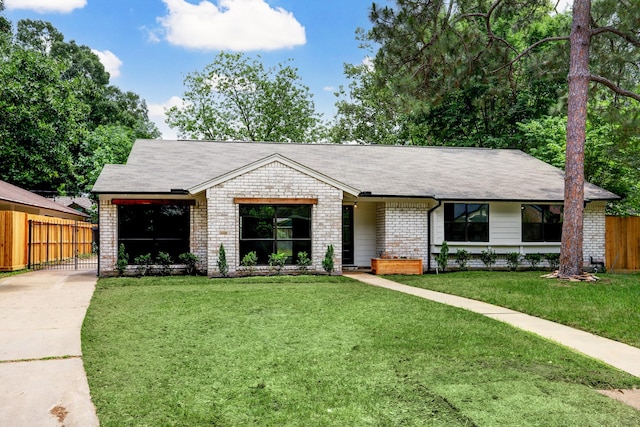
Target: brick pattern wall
pixel 199 232
pixel 403 229
pixel 274 180
pixel 594 232
pixel 381 242
pixel 108 235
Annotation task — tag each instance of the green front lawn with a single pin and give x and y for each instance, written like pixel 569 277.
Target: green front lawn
pixel 609 308
pixel 325 351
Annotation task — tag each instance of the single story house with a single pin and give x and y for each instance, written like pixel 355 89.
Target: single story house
pixel 365 200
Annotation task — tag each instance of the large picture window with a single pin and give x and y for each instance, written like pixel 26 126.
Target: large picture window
pixel 542 223
pixel 152 228
pixel 268 229
pixel 465 222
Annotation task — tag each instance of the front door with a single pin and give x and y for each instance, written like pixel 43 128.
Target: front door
pixel 347 235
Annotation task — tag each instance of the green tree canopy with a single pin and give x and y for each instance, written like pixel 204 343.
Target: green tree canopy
pixel 236 98
pixel 60 120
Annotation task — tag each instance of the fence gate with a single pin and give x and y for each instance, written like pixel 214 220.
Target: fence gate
pixel 67 246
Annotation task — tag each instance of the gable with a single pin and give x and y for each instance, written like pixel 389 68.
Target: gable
pixel 274 159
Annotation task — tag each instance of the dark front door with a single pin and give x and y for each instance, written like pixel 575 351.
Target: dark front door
pixel 347 235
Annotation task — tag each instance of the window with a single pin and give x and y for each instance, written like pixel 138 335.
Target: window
pixel 268 229
pixel 152 228
pixel 542 223
pixel 466 222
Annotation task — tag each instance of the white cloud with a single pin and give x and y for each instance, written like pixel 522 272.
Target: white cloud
pixel 368 62
pixel 237 25
pixel 152 37
pixel 158 116
pixel 110 61
pixel 46 6
pixel 329 88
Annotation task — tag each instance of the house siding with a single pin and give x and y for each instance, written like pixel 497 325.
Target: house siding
pixel 505 235
pixel 364 223
pixel 274 180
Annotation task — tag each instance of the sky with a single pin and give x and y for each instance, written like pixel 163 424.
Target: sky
pixel 149 46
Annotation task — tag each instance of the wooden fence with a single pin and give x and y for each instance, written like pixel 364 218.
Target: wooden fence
pixel 623 243
pixel 52 240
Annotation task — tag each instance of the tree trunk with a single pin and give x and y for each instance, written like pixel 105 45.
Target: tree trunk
pixel 571 262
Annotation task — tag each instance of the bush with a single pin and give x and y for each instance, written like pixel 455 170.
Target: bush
pixel 513 260
pixel 164 259
pixel 462 258
pixel 123 260
pixel 143 264
pixel 277 261
pixel 303 261
pixel 488 257
pixel 533 259
pixel 223 267
pixel 443 257
pixel 249 261
pixel 553 260
pixel 190 261
pixel 327 262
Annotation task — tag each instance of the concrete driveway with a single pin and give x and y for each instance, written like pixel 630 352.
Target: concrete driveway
pixel 43 379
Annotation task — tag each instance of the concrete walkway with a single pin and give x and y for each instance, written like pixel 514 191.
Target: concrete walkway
pixel 43 379
pixel 614 353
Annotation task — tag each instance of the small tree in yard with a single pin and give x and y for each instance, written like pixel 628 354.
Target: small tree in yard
pixel 488 257
pixel 327 262
pixel 123 260
pixel 462 258
pixel 277 261
pixel 513 260
pixel 249 261
pixel 303 261
pixel 223 267
pixel 443 257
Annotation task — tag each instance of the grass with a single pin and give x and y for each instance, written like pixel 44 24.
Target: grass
pixel 609 308
pixel 4 274
pixel 325 351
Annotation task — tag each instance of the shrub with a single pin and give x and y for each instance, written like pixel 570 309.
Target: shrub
pixel 513 260
pixel 249 261
pixel 223 267
pixel 143 264
pixel 190 261
pixel 488 257
pixel 276 261
pixel 533 259
pixel 327 262
pixel 462 258
pixel 303 261
pixel 443 257
pixel 553 260
pixel 164 259
pixel 123 260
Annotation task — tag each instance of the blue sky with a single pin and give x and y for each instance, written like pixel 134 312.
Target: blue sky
pixel 149 46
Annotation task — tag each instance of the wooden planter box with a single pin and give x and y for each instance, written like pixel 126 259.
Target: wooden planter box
pixel 396 266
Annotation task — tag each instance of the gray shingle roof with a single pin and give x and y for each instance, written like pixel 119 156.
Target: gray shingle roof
pixel 447 173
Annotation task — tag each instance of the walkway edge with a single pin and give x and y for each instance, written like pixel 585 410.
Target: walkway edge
pixel 619 355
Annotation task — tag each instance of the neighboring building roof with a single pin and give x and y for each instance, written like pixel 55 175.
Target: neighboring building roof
pixel 78 203
pixel 16 195
pixel 444 173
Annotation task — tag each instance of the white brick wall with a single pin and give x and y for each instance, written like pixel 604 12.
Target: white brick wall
pixel 199 232
pixel 108 235
pixel 402 229
pixel 594 232
pixel 274 180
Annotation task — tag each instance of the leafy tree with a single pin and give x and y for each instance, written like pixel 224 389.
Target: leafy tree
pixel 42 122
pixel 60 120
pixel 235 98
